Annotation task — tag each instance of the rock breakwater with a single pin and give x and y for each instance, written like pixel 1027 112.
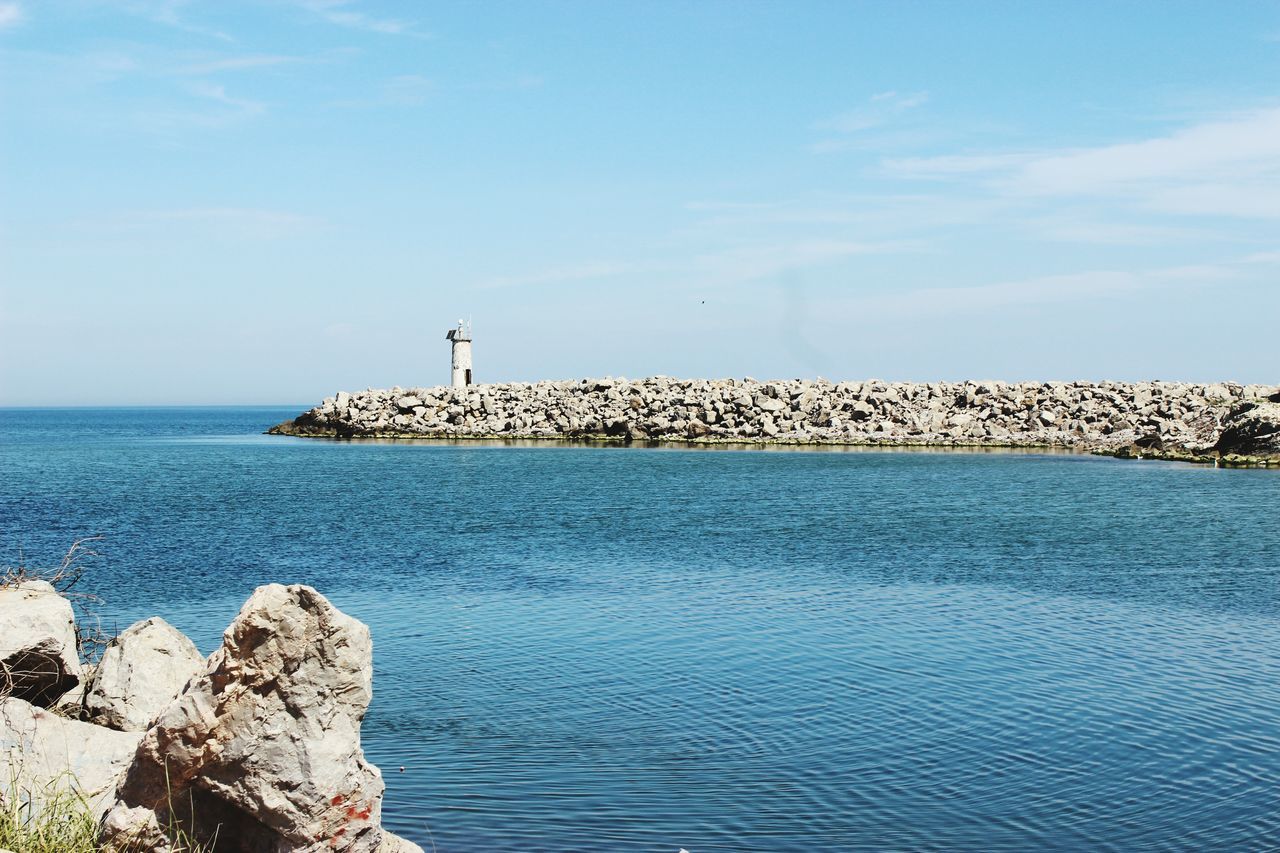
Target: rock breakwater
pixel 1166 419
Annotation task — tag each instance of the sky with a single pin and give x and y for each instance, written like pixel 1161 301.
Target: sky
pixel 240 202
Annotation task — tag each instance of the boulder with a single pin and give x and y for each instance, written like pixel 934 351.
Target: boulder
pixel 767 403
pixel 263 747
pixel 39 661
pixel 141 671
pixel 71 703
pixel 393 844
pixel 1252 429
pixel 43 755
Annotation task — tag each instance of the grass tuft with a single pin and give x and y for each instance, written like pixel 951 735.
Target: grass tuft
pixel 61 822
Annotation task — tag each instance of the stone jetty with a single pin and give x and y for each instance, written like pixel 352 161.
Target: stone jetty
pixel 1172 420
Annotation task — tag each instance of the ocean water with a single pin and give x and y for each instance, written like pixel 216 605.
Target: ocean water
pixel 597 648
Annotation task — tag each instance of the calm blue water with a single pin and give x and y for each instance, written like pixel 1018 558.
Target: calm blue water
pixel 629 649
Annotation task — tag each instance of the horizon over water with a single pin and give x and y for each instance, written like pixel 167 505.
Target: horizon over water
pixel 611 648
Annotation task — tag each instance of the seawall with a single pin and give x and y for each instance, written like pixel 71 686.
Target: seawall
pixel 1172 420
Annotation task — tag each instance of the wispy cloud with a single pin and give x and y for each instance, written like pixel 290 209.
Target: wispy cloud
pixel 240 107
pixel 749 263
pixel 1081 290
pixel 587 271
pixel 709 267
pixel 1104 231
pixel 169 13
pixel 10 15
pixel 235 63
pixel 875 216
pixel 237 222
pixel 407 90
pixel 404 90
pixel 208 107
pixel 1244 144
pixel 1220 167
pixel 952 165
pixel 344 14
pixel 879 110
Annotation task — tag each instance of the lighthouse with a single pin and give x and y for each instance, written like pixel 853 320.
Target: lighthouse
pixel 461 338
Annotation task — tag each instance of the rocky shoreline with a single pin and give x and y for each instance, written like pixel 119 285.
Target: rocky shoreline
pixel 255 748
pixel 1218 423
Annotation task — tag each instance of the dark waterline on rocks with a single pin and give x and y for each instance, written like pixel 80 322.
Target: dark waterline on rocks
pixel 631 649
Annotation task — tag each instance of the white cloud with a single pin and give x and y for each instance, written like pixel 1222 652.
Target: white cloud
pixel 235 63
pixel 1241 145
pixel 749 263
pixel 214 109
pixel 238 222
pixel 342 13
pixel 719 267
pixel 166 12
pixel 952 165
pixel 10 15
pixel 407 90
pixel 1222 167
pixel 1082 290
pixel 1105 231
pixel 242 107
pixel 1246 199
pixel 588 271
pixel 880 109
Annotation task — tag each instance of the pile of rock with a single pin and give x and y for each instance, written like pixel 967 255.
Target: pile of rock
pixel 256 748
pixel 1158 418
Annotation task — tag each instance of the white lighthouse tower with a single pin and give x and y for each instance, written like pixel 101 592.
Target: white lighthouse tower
pixel 461 338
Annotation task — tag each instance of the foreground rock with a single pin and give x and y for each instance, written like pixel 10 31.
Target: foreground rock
pixel 39 660
pixel 141 672
pixel 43 756
pixel 1179 419
pixel 263 747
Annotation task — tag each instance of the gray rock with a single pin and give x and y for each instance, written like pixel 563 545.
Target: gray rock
pixel 1252 429
pixel 39 661
pixel 141 671
pixel 395 844
pixel 71 703
pixel 43 754
pixel 862 411
pixel 769 404
pixel 265 743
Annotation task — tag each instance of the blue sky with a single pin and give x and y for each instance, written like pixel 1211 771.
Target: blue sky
pixel 251 202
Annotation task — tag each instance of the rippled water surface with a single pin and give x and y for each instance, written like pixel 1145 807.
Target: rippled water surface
pixel 587 648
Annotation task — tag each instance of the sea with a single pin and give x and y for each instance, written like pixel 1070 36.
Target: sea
pixel 604 648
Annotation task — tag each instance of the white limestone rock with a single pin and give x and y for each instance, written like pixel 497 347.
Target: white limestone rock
pixel 42 754
pixel 265 743
pixel 141 671
pixel 394 844
pixel 39 661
